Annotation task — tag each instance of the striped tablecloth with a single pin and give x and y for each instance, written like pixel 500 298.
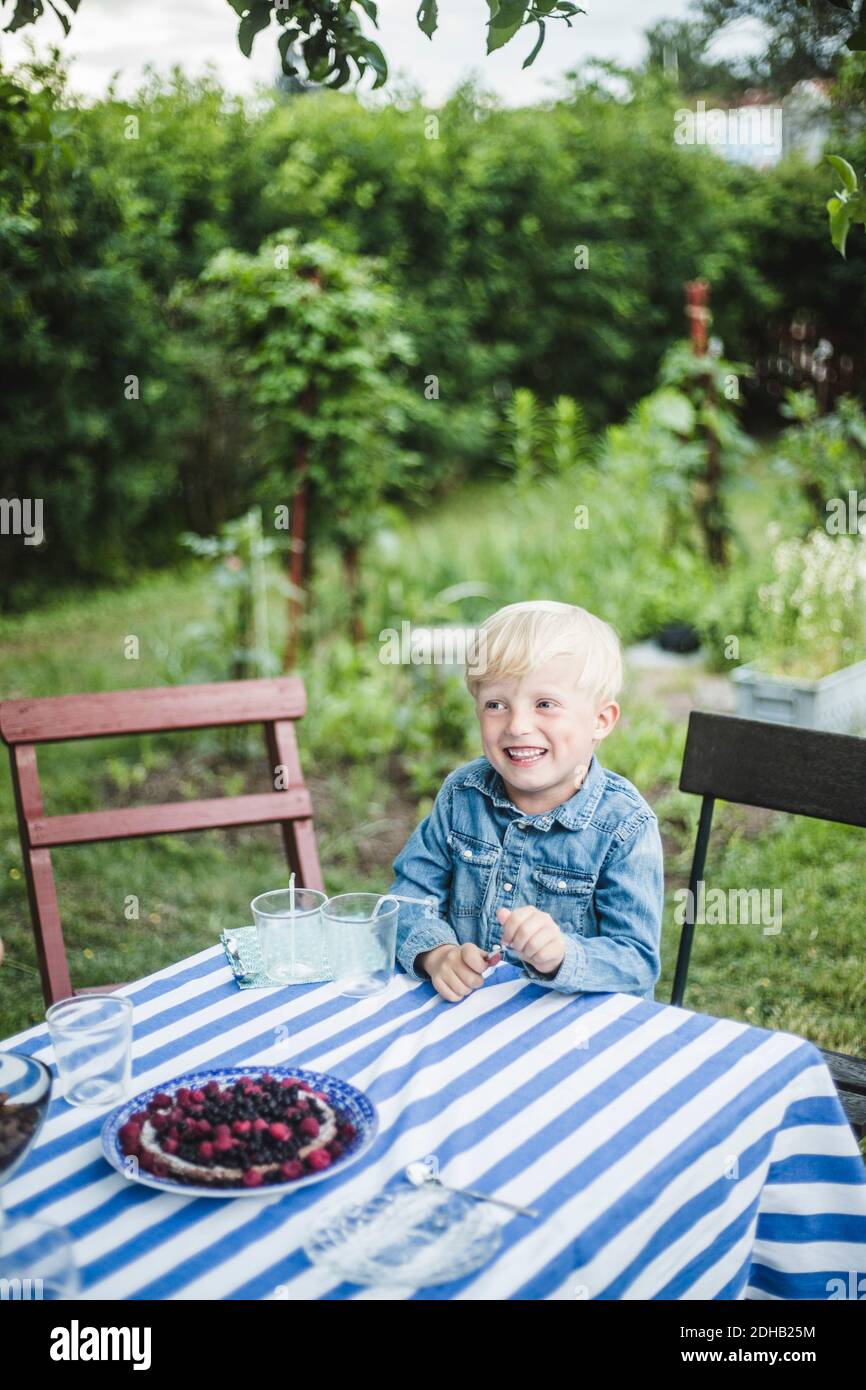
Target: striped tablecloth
pixel 671 1154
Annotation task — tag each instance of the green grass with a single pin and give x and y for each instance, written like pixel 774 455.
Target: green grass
pixel 374 751
pixel 184 889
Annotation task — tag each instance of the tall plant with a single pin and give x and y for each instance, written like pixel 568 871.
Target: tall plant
pixel 540 440
pixel 710 386
pixel 312 341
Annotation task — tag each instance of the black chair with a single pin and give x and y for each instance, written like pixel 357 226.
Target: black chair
pixel 781 768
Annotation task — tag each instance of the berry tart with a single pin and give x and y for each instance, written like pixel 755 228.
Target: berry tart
pixel 246 1134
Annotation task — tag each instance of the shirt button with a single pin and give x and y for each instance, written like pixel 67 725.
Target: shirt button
pixel 562 883
pixel 508 887
pixel 467 854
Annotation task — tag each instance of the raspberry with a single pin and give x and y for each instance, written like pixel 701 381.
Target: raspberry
pixel 139 1117
pixel 241 1126
pixel 347 1131
pixel 293 1113
pixel 203 1126
pixel 335 1148
pixel 224 1145
pixel 183 1095
pixel 161 1101
pixel 309 1126
pixel 170 1145
pixel 205 1149
pixel 292 1170
pixel 252 1178
pixel 212 1088
pixel 173 1133
pixel 302 1103
pixel 321 1095
pixel 318 1159
pixel 260 1125
pixel 198 1097
pixel 278 1131
pixel 159 1120
pixel 223 1132
pixel 129 1136
pixel 287 1082
pixel 266 1078
pixel 304 1085
pixel 177 1115
pixel 145 1161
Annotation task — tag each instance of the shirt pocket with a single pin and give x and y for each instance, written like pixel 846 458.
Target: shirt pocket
pixel 472 863
pixel 563 893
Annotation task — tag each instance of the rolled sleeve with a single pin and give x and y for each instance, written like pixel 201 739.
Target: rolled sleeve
pixel 570 974
pixel 628 900
pixel 423 870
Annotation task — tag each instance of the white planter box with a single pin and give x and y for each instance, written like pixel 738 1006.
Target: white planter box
pixel 837 702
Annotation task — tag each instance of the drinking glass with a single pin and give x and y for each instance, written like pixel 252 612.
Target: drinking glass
pixel 361 941
pixel 92 1037
pixel 37 1261
pixel 292 943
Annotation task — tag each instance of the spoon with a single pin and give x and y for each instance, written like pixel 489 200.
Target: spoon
pixel 419 1175
pixel 240 973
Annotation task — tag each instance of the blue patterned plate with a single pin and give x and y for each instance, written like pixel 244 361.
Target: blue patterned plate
pixel 351 1103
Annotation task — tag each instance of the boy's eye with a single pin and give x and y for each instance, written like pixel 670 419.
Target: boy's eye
pixel 551 703
pixel 490 703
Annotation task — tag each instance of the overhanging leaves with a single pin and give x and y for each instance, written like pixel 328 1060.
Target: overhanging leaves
pixel 258 18
pixel 505 23
pixel 428 17
pixel 329 32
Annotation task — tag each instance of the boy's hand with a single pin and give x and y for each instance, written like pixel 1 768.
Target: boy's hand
pixel 534 936
pixel 454 970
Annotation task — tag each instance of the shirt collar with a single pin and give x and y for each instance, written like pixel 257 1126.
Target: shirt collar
pixel 574 814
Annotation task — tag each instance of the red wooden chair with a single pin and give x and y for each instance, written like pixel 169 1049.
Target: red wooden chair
pixel 26 723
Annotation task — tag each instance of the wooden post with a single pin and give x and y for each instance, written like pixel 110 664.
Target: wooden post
pixel 297 559
pixel 698 313
pixel 350 552
pixel 296 555
pixel 710 505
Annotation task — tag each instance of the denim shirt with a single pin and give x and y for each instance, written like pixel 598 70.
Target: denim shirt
pixel 593 863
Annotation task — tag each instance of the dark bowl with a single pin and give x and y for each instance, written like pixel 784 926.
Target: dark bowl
pixel 25 1091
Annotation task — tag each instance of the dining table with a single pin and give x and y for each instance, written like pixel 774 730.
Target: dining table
pixel 667 1154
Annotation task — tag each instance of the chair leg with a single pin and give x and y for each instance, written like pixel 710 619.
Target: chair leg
pixel 699 859
pixel 50 946
pixel 39 874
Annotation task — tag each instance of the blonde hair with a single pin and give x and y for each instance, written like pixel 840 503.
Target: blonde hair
pixel 522 636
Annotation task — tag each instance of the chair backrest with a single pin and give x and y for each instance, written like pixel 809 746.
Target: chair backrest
pixel 777 766
pixel 26 723
pixel 804 771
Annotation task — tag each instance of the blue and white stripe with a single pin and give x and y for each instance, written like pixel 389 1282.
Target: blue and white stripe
pixel 671 1154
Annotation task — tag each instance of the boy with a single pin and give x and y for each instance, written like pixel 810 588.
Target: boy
pixel 534 849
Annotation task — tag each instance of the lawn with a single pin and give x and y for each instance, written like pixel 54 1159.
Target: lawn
pixel 373 762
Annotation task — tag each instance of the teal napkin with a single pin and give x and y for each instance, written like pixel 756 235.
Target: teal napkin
pixel 249 971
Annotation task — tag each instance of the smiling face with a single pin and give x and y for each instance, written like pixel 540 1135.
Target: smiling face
pixel 538 730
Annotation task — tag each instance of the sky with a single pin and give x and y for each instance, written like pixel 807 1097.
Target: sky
pixel 121 36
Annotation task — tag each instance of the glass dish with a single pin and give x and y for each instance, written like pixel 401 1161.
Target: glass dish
pixel 408 1236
